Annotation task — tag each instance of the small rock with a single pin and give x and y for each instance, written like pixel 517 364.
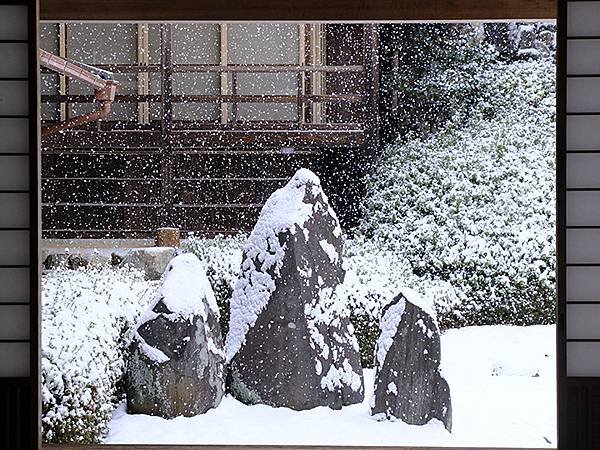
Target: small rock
pixel 177 361
pixel 99 259
pixel 116 258
pixel 408 382
pixel 151 260
pixel 77 261
pixel 65 261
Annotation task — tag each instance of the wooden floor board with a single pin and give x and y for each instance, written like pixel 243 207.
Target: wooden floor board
pixel 257 447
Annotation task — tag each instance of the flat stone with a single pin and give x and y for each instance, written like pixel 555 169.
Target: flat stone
pixel 151 260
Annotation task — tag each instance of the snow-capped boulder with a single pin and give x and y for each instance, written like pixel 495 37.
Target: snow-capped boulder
pixel 408 381
pixel 177 361
pixel 151 260
pixel 290 341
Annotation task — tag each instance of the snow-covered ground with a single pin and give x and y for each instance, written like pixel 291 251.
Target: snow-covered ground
pixel 502 381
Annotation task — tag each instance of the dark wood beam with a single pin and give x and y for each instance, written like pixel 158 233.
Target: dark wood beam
pixel 301 10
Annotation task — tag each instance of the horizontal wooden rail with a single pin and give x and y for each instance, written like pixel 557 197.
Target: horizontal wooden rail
pixel 214 125
pixel 266 68
pixel 240 68
pixel 54 98
pixel 82 139
pixel 267 98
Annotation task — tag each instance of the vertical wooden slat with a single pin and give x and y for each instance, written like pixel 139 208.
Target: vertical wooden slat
pixel 224 60
pixel 19 343
pixel 143 59
pixel 62 52
pixel 167 216
pixel 577 228
pixel 317 52
pixel 234 91
pixel 301 75
pixel 371 86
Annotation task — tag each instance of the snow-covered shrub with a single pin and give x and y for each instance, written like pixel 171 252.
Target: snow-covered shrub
pixel 473 205
pixel 221 257
pixel 375 274
pixel 85 315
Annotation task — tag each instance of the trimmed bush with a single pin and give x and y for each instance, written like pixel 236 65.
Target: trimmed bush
pixel 85 316
pixel 473 205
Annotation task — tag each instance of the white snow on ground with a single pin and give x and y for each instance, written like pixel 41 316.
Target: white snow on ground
pixel 502 381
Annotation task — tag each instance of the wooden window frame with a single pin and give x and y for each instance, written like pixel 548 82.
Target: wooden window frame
pixel 294 10
pixel 310 70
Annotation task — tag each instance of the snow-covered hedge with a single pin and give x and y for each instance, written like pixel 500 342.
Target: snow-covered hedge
pixel 85 315
pixel 473 206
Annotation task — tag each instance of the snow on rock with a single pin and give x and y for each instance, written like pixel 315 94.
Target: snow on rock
pixel 408 381
pixel 290 342
pixel 177 361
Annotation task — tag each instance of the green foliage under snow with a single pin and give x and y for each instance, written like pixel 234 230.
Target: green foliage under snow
pixel 85 316
pixel 474 205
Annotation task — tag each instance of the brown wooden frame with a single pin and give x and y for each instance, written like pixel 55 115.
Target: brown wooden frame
pixel 219 10
pixel 297 10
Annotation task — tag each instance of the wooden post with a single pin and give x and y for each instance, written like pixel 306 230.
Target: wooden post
pixel 143 59
pixel 168 237
pixel 166 169
pixel 301 75
pixel 371 86
pixel 224 59
pixel 317 52
pixel 62 51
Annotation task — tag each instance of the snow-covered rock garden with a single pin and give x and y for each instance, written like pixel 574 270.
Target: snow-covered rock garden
pixel 430 323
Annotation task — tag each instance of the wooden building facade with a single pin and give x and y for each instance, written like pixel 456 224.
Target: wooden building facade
pixel 209 120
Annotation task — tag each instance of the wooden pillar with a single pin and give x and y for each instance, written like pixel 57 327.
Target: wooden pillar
pixel 578 225
pixel 19 227
pixel 168 237
pixel 301 75
pixel 143 59
pixel 371 87
pixel 317 82
pixel 224 60
pixel 167 218
pixel 62 79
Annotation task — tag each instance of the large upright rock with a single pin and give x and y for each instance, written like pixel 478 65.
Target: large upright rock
pixel 408 382
pixel 177 360
pixel 290 342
